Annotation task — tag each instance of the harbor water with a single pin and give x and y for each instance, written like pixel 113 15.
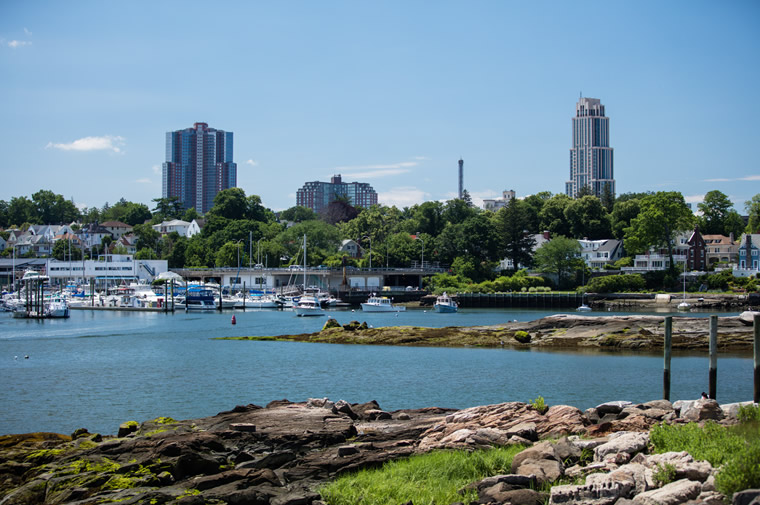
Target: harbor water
pixel 98 369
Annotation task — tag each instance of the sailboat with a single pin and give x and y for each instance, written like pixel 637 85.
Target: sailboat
pixel 583 307
pixel 307 305
pixel 684 306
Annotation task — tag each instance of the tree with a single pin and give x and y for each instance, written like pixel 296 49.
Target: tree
pixel 230 203
pixel 146 254
pixel 753 209
pixel 21 210
pixel 516 242
pixel 456 211
pixel 167 208
pixel 339 210
pixel 583 191
pixel 607 197
pixel 559 256
pixel 622 213
pixel 553 215
pixel 190 214
pixel 662 216
pixel 298 214
pixel 588 218
pixel 716 211
pixel 64 250
pixel 229 253
pixel 51 208
pixel 534 204
pixel 147 237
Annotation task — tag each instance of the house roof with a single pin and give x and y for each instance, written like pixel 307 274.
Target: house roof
pixel 174 222
pixel 610 245
pixel 115 224
pixel 717 239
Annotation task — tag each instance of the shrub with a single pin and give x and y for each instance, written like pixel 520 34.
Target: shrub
pixel 539 404
pixel 522 336
pixel 740 472
pixel 749 413
pixel 665 474
pixel 616 284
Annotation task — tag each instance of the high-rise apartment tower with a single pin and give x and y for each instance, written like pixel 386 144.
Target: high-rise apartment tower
pixel 318 195
pixel 198 166
pixel 591 154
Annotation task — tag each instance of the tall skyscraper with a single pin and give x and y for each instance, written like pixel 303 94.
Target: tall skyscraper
pixel 591 154
pixel 318 195
pixel 198 166
pixel 461 178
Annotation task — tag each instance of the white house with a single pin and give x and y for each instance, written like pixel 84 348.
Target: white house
pixel 495 204
pixel 117 228
pixel 351 248
pixel 175 225
pixel 540 239
pixel 109 268
pixel 599 253
pixel 195 227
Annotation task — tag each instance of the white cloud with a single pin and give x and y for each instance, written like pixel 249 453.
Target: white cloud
pixel 144 180
pixel 421 158
pixel 104 143
pixel 748 178
pixel 15 44
pixel 253 163
pixel 26 30
pixel 401 197
pixel 694 198
pixel 376 171
pixel 156 169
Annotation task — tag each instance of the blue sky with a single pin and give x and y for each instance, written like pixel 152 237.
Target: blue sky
pixel 391 93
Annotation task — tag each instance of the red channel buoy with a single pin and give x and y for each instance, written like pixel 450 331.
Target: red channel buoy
pixel 234 321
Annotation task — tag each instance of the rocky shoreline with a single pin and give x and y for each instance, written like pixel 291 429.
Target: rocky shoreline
pixel 558 331
pixel 282 453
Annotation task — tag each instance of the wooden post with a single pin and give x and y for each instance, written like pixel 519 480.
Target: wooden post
pixel 713 357
pixel 666 346
pixel 172 296
pixel 220 296
pixel 756 396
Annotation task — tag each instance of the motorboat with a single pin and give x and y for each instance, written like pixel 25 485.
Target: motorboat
pixel 381 304
pixel 259 302
pixel 583 308
pixel 445 303
pixel 309 306
pixel 58 307
pixel 198 298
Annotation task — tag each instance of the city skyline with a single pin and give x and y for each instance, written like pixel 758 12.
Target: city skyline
pixel 315 90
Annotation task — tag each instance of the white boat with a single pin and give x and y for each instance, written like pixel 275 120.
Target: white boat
pixel 381 304
pixel 583 308
pixel 309 306
pixel 445 303
pixel 58 307
pixel 259 302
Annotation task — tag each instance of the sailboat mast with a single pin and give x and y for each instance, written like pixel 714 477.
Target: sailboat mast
pixel 304 263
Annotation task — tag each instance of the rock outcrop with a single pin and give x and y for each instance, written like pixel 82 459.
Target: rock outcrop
pixel 281 454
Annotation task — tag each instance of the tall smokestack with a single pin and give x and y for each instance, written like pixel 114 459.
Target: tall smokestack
pixel 461 178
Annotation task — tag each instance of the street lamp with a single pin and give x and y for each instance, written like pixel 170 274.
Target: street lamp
pixel 370 250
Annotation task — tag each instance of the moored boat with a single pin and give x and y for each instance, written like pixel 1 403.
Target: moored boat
pixel 445 303
pixel 309 306
pixel 381 304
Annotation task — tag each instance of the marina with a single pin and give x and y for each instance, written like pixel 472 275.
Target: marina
pixel 100 368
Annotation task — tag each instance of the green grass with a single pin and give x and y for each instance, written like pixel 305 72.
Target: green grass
pixel 735 449
pixel 425 479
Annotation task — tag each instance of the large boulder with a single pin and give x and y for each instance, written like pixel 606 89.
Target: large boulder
pixel 540 460
pixel 703 410
pixel 622 442
pixel 674 493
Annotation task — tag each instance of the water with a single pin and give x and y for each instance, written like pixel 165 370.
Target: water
pixel 99 369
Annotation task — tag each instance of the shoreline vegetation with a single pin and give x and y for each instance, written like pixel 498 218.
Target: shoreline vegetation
pixel 561 331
